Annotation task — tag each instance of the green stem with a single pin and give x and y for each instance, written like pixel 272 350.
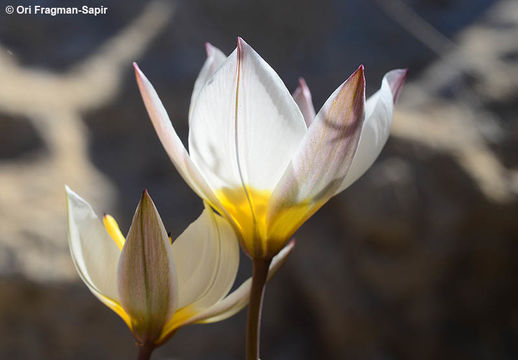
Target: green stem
pixel 260 273
pixel 144 351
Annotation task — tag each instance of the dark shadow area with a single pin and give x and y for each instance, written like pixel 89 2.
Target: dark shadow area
pixel 19 138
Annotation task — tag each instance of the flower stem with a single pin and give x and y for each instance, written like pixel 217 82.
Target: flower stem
pixel 144 351
pixel 260 273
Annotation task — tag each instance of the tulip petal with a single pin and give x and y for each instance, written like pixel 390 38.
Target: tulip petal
pixel 147 275
pixel 172 143
pixel 215 58
pixel 376 126
pixel 228 306
pixel 207 259
pixel 245 125
pixel 238 299
pixel 206 255
pixel 302 97
pixel 95 254
pixel 322 160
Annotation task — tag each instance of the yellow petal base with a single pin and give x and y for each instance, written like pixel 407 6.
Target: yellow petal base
pixel 248 211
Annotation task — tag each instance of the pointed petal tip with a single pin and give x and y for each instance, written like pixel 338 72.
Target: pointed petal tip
pixel 302 97
pixel 72 193
pixel 358 76
pixel 304 88
pixel 209 49
pixel 289 246
pixel 396 79
pixel 399 75
pixel 146 200
pixel 358 73
pixel 240 44
pixel 138 73
pixel 145 195
pixel 361 70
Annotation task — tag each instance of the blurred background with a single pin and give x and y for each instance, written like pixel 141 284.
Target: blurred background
pixel 417 260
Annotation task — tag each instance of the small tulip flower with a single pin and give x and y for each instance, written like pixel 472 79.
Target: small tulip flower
pixel 157 287
pixel 260 156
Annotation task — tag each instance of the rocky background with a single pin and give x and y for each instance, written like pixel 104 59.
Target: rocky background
pixel 417 260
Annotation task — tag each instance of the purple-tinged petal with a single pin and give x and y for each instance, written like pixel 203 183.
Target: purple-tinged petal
pixel 321 162
pixel 302 97
pixel 376 127
pixel 396 80
pixel 147 275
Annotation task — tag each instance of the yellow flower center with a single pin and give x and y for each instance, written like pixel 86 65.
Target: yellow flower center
pixel 248 209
